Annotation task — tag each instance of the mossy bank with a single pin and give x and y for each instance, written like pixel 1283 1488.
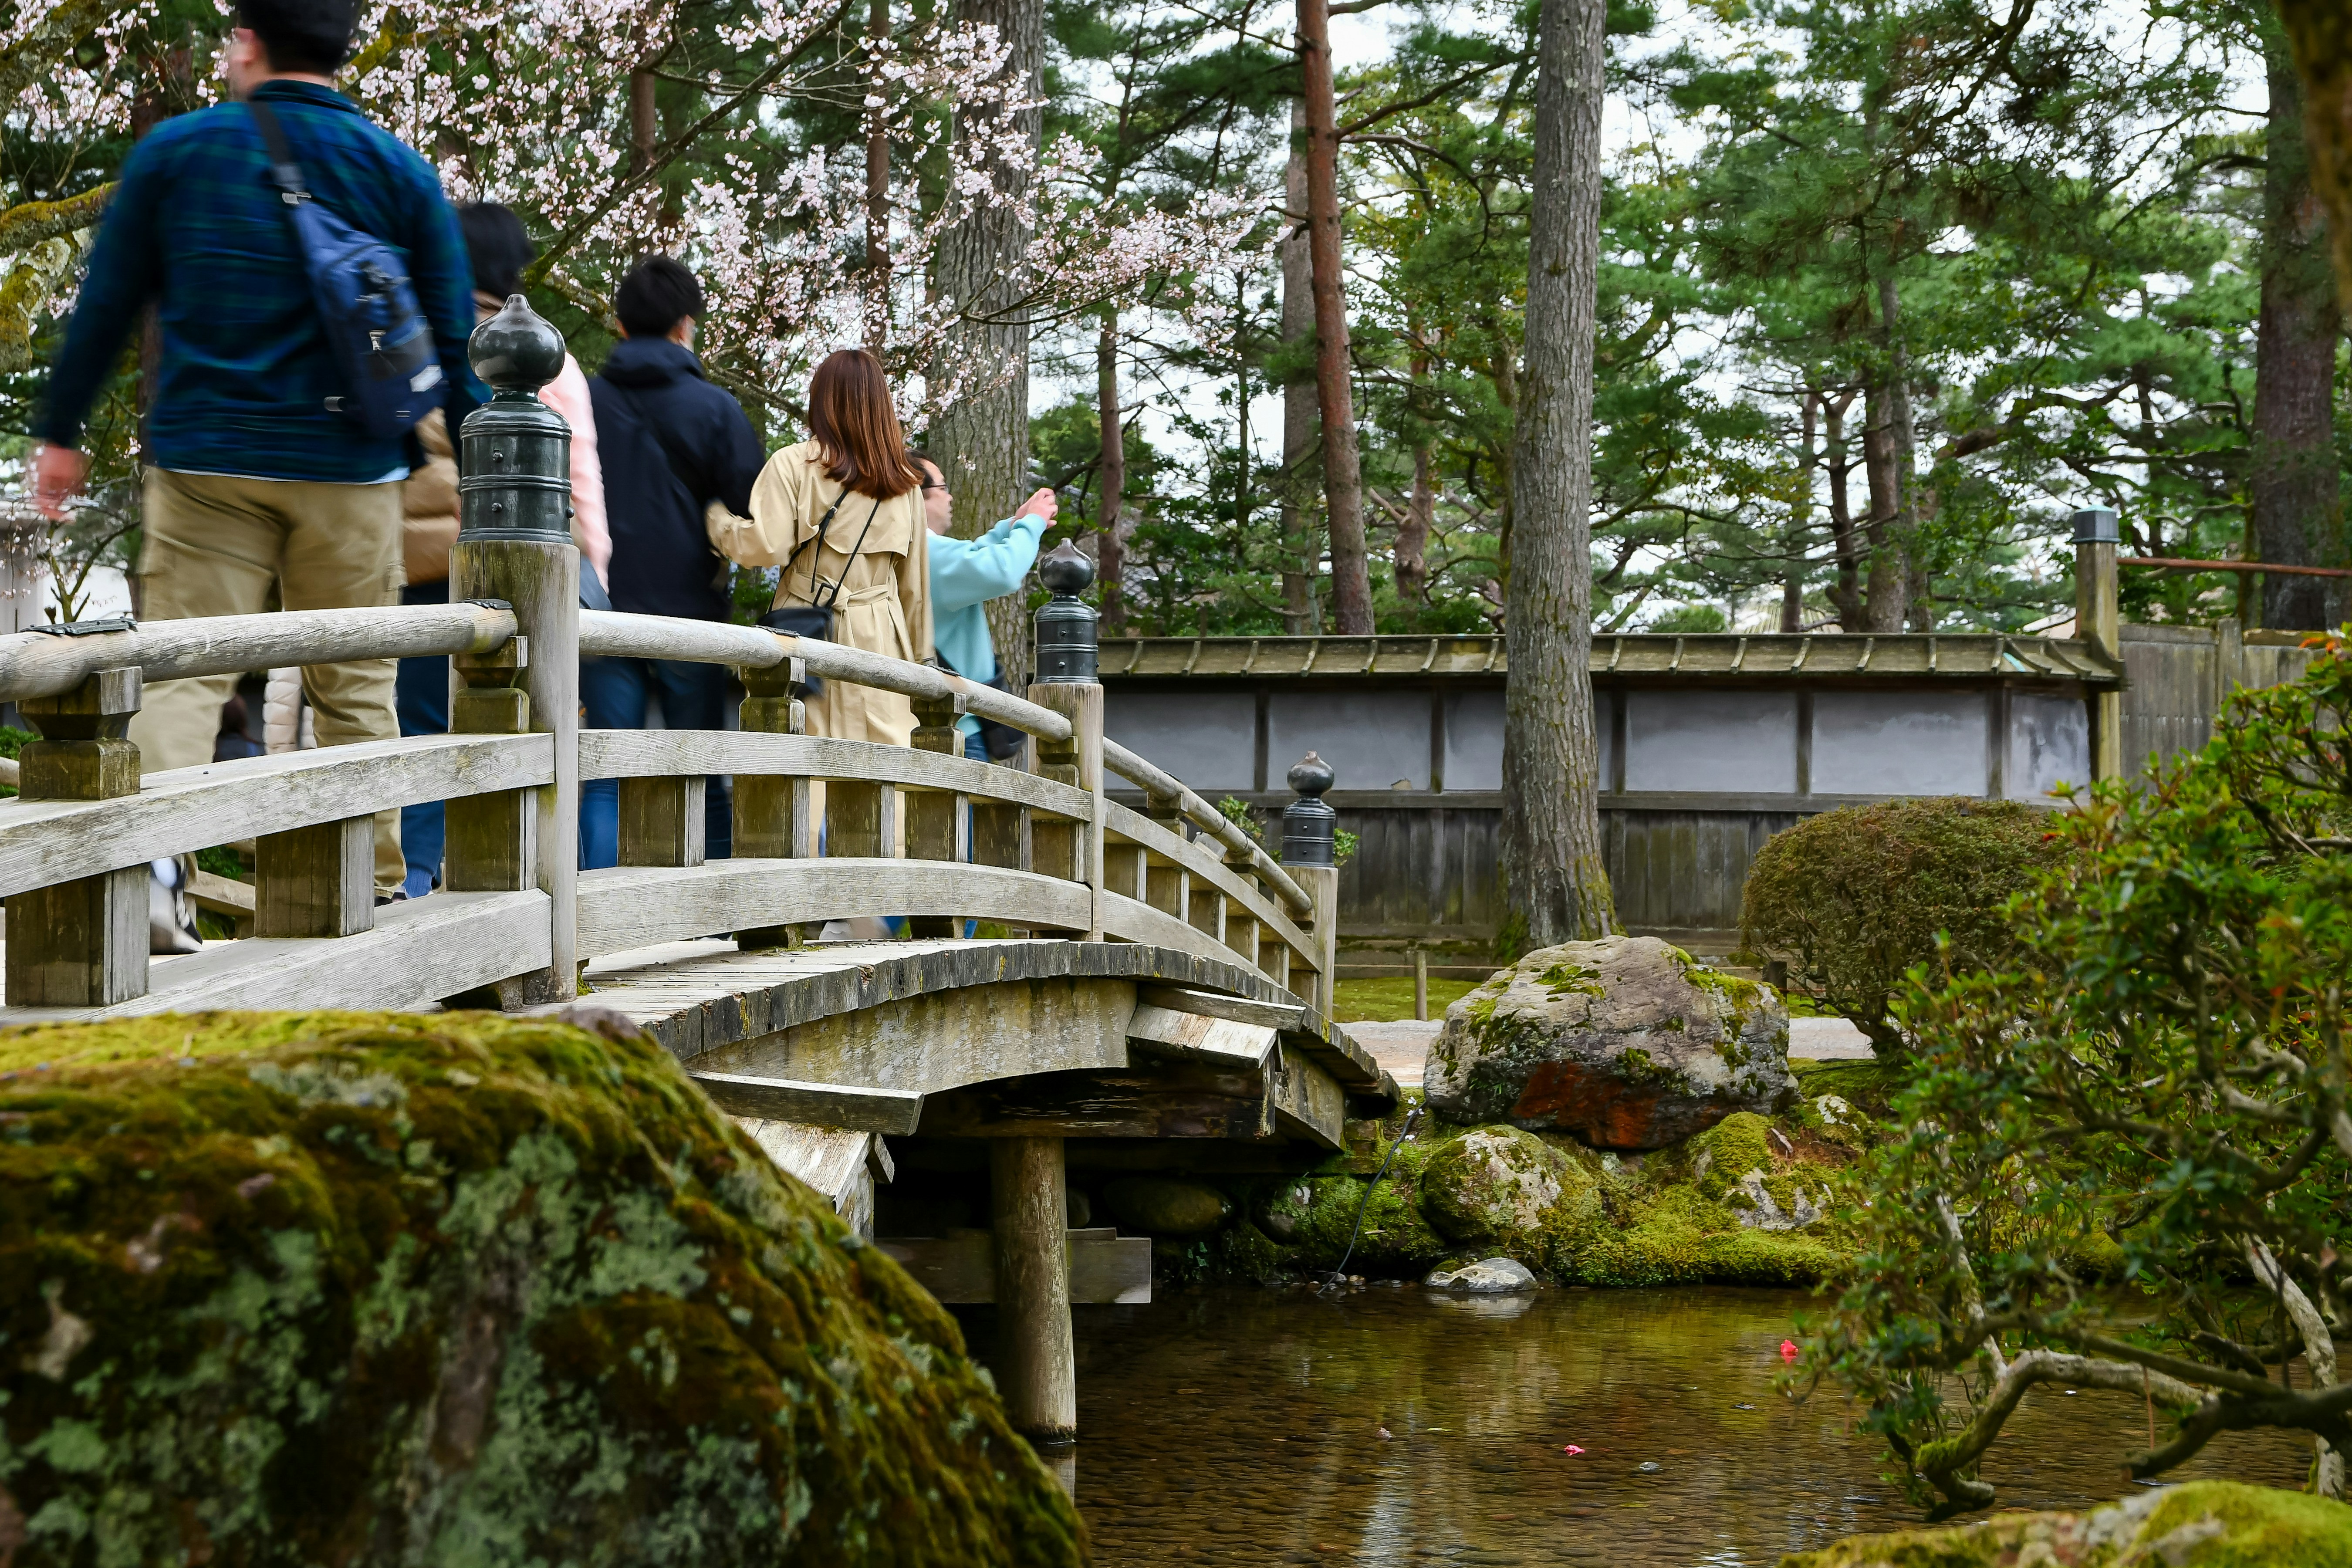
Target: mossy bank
pixel 2199 1524
pixel 462 1289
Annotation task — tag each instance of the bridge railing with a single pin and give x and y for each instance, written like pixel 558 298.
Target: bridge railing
pixel 823 828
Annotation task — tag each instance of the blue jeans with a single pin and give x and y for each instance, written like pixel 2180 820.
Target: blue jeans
pixel 614 694
pixel 421 699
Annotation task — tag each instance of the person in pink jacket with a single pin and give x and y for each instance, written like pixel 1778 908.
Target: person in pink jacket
pixel 500 249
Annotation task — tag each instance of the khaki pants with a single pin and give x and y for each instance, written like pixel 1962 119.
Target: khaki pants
pixel 214 545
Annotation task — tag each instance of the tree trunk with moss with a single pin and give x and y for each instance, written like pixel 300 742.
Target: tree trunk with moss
pixel 1556 885
pixel 982 443
pixel 2298 512
pixel 2320 32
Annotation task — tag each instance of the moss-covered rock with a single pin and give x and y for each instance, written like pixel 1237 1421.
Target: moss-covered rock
pixel 2200 1524
pixel 301 1288
pixel 1626 1042
pixel 1495 1183
pixel 1163 1205
pixel 1396 1241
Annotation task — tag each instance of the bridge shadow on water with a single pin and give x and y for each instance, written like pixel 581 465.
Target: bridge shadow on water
pixel 1238 1425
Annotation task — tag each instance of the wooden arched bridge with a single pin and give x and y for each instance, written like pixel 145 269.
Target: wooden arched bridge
pixel 1165 978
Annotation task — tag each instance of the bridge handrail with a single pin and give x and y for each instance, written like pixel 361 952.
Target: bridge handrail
pixel 618 634
pixel 975 839
pixel 50 663
pixel 1158 782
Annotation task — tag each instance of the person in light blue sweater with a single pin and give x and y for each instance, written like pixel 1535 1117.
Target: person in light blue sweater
pixel 968 573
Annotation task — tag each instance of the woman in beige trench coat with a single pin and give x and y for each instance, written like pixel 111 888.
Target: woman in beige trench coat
pixel 874 547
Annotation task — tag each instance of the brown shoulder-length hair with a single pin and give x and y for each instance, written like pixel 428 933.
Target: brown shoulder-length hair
pixel 856 426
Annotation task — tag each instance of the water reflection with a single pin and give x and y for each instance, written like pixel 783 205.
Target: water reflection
pixel 1244 1425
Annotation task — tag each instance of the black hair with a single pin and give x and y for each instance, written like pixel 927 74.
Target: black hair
pixel 656 295
pixel 499 245
pixel 312 37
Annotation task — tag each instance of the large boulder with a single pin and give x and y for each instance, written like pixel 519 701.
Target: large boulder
pixel 1164 1206
pixel 1626 1042
pixel 1495 1185
pixel 2197 1524
pixel 342 1288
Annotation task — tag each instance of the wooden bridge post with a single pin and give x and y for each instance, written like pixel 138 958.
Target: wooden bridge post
pixel 81 944
pixel 773 816
pixel 2098 617
pixel 935 818
pixel 1037 1368
pixel 1169 888
pixel 514 545
pixel 1066 683
pixel 1309 826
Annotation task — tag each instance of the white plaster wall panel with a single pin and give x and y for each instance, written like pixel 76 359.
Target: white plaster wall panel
pixel 1899 742
pixel 1208 739
pixel 2049 744
pixel 1724 741
pixel 1474 740
pixel 1604 721
pixel 1371 739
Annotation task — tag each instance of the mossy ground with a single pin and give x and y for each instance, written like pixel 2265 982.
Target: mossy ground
pixel 460 1289
pixel 2200 1524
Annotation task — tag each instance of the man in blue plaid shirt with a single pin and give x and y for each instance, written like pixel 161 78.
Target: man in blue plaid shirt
pixel 252 480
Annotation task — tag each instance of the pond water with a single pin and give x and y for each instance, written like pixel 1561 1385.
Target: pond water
pixel 1244 1425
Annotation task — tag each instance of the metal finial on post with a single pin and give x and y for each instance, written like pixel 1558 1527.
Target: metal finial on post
pixel 1308 823
pixel 1067 649
pixel 515 451
pixel 514 543
pixel 2095 525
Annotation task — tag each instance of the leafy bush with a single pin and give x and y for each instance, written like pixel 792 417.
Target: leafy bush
pixel 2158 1086
pixel 1853 898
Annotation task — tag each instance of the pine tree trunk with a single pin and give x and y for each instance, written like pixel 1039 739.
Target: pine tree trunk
pixel 1413 532
pixel 1343 491
pixel 1301 457
pixel 2298 512
pixel 1916 612
pixel 982 444
pixel 1110 554
pixel 1882 609
pixel 1798 540
pixel 1846 540
pixel 2321 33
pixel 1556 884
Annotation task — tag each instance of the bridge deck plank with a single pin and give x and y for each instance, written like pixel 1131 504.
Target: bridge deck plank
pixel 701 996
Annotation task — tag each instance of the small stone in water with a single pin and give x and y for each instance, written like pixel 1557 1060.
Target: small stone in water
pixel 1648 1467
pixel 1384 1433
pixel 1743 1407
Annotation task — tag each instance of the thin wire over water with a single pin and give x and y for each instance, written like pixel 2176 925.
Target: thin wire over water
pixel 1244 1425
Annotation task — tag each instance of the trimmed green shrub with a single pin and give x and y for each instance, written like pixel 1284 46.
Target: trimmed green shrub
pixel 1854 898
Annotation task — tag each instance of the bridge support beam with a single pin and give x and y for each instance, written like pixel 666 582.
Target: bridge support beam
pixel 1036 1372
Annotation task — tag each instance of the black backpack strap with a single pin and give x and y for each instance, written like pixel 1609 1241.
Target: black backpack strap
pixel 835 597
pixel 284 171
